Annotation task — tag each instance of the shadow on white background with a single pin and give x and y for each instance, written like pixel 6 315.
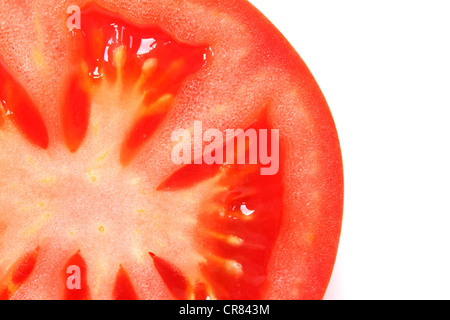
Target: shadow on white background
pixel 384 67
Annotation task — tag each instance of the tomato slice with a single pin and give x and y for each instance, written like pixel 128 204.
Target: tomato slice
pixel 102 197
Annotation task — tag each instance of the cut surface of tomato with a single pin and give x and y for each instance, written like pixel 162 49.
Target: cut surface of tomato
pixel 95 116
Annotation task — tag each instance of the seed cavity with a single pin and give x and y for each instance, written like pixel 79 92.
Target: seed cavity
pixel 141 65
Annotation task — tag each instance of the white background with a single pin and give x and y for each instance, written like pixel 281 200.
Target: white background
pixel 384 67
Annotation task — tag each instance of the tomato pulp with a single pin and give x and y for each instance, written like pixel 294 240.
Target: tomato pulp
pixel 96 96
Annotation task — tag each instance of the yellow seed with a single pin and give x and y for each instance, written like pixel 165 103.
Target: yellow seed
pixel 91 175
pixel 234 240
pixel 120 57
pixel 149 67
pixel 48 180
pixel 233 268
pixel 40 204
pixel 135 181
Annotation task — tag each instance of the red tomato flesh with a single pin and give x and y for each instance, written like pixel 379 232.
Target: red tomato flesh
pixel 92 205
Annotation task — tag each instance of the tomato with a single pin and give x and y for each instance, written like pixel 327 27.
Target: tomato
pixel 118 179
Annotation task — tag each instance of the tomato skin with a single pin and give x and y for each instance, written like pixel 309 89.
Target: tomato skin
pixel 258 69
